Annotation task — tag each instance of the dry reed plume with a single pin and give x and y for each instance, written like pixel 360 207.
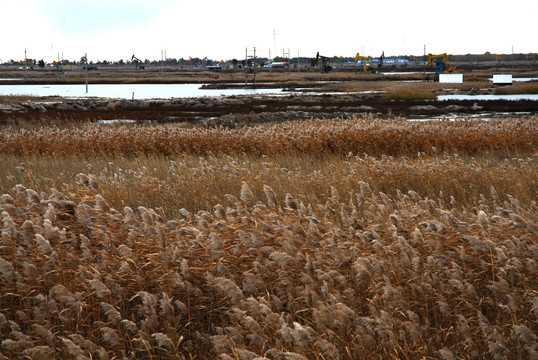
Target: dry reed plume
pixel 366 134
pixel 197 183
pixel 364 275
pixel 344 239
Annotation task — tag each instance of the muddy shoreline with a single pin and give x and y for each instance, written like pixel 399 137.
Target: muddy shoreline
pixel 259 108
pixel 305 95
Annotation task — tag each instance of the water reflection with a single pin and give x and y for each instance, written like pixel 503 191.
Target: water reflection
pixel 127 91
pixel 515 97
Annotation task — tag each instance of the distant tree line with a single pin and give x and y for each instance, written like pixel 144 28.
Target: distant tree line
pixel 196 61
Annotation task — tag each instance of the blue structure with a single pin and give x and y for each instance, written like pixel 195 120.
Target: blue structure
pixel 391 61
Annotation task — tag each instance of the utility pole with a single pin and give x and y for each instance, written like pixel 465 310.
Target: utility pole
pixel 289 63
pixel 424 59
pixel 162 62
pixel 512 57
pixel 254 71
pixel 247 67
pixel 274 40
pixel 284 53
pixel 86 66
pixel 25 65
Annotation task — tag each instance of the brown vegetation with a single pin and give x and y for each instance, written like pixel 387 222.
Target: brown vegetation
pixel 316 137
pixel 530 88
pixel 393 277
pixel 340 239
pixel 197 183
pixel 410 95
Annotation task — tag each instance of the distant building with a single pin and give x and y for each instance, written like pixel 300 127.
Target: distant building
pixel 391 61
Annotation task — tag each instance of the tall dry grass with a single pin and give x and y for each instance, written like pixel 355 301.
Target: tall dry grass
pixel 267 277
pixel 381 84
pixel 525 88
pixel 365 134
pixel 197 183
pixel 295 248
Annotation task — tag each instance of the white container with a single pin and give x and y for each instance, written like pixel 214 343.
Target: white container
pixel 451 78
pixel 502 78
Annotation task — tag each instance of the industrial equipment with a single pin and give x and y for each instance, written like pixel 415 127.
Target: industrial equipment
pixel 58 70
pixel 365 67
pixel 362 60
pixel 138 62
pixel 324 63
pixel 381 58
pixel 213 67
pixel 441 63
pixel 278 65
pixel 57 66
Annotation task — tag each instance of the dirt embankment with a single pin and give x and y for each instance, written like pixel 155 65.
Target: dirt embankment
pixel 336 95
pixel 256 108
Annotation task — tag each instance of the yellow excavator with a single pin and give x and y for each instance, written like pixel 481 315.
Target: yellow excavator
pixel 441 63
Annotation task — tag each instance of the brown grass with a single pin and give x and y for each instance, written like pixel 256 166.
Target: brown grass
pixel 410 95
pixel 16 98
pixel 389 85
pixel 367 275
pixel 528 88
pixel 305 254
pixel 197 183
pixel 316 137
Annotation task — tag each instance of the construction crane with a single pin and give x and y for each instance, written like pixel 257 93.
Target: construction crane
pixel 324 63
pixel 138 62
pixel 440 62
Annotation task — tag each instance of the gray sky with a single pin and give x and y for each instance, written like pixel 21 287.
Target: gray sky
pixel 222 30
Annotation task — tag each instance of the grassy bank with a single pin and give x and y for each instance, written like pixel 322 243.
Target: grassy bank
pixel 531 88
pixel 410 95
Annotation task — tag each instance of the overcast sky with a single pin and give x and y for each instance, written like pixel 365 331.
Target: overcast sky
pixel 223 29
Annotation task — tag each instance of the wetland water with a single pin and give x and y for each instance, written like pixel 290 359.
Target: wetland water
pixel 169 91
pixel 128 91
pixel 489 97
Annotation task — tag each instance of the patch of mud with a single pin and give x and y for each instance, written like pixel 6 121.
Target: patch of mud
pixel 253 109
pixel 424 108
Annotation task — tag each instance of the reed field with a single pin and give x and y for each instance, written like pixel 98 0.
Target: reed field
pixel 360 135
pixel 360 238
pixel 530 88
